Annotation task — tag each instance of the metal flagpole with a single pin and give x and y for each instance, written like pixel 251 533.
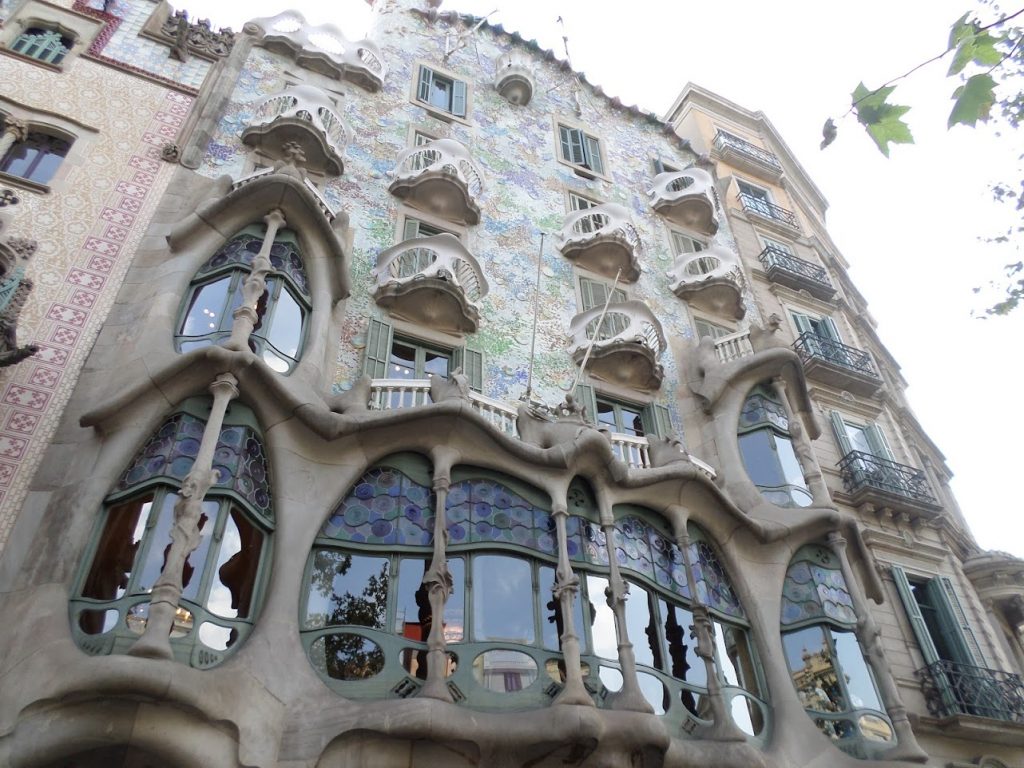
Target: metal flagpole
pixel 536 309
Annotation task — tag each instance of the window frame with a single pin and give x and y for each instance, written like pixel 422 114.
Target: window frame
pixel 584 168
pixel 459 99
pixel 78 27
pixel 698 320
pixel 675 236
pixel 441 226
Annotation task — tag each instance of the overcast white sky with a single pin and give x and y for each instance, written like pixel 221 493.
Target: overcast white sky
pixel 909 225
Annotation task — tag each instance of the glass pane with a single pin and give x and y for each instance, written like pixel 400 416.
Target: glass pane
pixel 195 564
pixel 502 599
pixel 606 415
pixel 217 637
pixel 347 589
pixel 814 670
pixel 412 611
pixel 654 691
pixel 735 658
pixel 416 662
pixel 761 459
pixel 611 678
pixel 46 165
pixel 875 728
pixel 504 671
pixel 455 608
pixel 602 620
pixel 94 622
pixel 20 159
pixel 790 464
pixel 683 663
pixel 206 313
pixel 441 93
pixel 238 562
pixel 346 657
pixel 435 364
pixel 551 612
pixel 859 683
pixel 286 330
pixel 159 544
pixel 740 707
pixel 112 565
pixel 402 363
pixel 642 629
pixel 858 438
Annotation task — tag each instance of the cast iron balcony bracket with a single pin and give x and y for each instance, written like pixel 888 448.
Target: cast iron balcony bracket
pixel 769 211
pixel 725 141
pixel 952 689
pixel 861 471
pixel 786 269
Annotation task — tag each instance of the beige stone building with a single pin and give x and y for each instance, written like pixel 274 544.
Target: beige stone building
pixel 410 402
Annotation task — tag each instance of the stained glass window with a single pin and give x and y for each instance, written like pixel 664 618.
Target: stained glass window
pixel 385 507
pixel 642 549
pixel 815 588
pixel 713 586
pixel 484 510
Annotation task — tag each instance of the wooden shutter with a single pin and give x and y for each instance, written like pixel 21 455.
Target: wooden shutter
pixel 803 322
pixel 879 445
pixel 585 397
pixel 657 420
pixel 592 154
pixel 831 330
pixel 839 428
pixel 921 633
pixel 426 81
pixel 458 98
pixel 412 229
pixel 379 337
pixel 472 363
pixel 565 139
pixel 572 145
pixel 953 624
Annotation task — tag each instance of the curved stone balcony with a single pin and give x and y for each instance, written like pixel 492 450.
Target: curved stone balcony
pixel 686 198
pixel 627 344
pixel 440 177
pixel 303 115
pixel 432 281
pixel 513 78
pixel 711 280
pixel 602 239
pixel 322 48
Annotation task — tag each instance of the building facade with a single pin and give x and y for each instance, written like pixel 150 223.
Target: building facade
pixel 409 401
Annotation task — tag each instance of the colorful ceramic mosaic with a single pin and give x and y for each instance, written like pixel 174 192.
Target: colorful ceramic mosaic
pixel 239 458
pixel 242 249
pixel 385 507
pixel 815 588
pixel 484 510
pixel 713 586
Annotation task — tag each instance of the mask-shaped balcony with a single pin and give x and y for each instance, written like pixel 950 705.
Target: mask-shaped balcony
pixel 686 198
pixel 302 115
pixel 786 269
pixel 513 78
pixel 837 364
pixel 432 281
pixel 602 239
pixel 626 344
pixel 440 177
pixel 710 280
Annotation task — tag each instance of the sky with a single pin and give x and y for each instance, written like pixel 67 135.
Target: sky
pixel 910 226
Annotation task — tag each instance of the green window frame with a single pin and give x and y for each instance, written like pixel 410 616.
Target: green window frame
pixel 441 92
pixel 704 328
pixel 44 44
pixel 822 326
pixel 580 149
pixel 380 347
pixel 854 436
pixel 414 228
pixel 767 450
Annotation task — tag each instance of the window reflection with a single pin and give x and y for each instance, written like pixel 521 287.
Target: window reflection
pixel 768 453
pixel 347 589
pixel 813 669
pixel 502 599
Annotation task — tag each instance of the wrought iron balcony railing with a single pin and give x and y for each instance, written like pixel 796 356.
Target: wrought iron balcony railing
pixel 952 689
pixel 861 470
pixel 763 208
pixel 724 139
pixel 811 346
pixel 776 258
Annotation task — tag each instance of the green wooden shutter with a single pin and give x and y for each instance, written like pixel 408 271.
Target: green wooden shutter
pixel 379 336
pixel 803 323
pixel 471 361
pixel 839 428
pixel 879 445
pixel 592 154
pixel 921 633
pixel 657 420
pixel 830 329
pixel 955 628
pixel 565 139
pixel 585 397
pixel 590 293
pixel 412 229
pixel 426 81
pixel 458 98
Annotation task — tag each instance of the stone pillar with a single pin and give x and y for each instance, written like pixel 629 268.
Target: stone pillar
pixel 245 317
pixel 14 130
pixel 723 728
pixel 565 592
pixel 802 447
pixel 155 641
pixel 438 582
pixel 870 637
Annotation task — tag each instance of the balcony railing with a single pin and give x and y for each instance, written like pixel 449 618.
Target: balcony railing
pixel 711 280
pixel 602 238
pixel 725 140
pixel 687 198
pixel 783 267
pixel 733 346
pixel 771 211
pixel 441 177
pixel 861 471
pixel 952 689
pixel 811 346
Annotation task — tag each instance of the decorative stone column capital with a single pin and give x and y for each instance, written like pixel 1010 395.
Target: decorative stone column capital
pixel 837 541
pixel 275 218
pixel 16 128
pixel 226 385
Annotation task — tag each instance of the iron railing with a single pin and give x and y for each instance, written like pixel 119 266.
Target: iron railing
pixel 723 139
pixel 776 258
pixel 810 345
pixel 864 470
pixel 767 210
pixel 951 688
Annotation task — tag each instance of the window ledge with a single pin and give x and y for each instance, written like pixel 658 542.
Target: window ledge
pixel 981 729
pixel 583 173
pixel 26 184
pixel 29 60
pixel 440 114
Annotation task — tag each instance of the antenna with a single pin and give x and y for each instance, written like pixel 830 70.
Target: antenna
pixel 577 86
pixel 536 309
pixel 462 37
pixel 600 324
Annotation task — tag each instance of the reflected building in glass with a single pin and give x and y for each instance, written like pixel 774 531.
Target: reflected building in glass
pixel 409 401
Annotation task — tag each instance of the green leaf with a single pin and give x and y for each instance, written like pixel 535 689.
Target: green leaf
pixel 881 119
pixel 974 100
pixel 961 28
pixel 979 48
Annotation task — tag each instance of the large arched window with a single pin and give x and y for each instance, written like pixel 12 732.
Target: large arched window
pixel 366 615
pixel 223 577
pixel 216 292
pixel 767 450
pixel 825 659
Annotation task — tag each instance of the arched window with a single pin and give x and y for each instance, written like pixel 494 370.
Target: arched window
pixel 223 577
pixel 767 450
pixel 366 615
pixel 43 44
pixel 824 656
pixel 216 292
pixel 36 158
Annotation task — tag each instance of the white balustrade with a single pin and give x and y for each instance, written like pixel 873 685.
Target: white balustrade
pixel 442 155
pixel 733 346
pixel 607 219
pixel 631 449
pixel 625 322
pixel 307 103
pixel 389 394
pixel 686 197
pixel 440 257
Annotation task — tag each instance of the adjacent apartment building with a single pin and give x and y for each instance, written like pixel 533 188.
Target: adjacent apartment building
pixel 409 401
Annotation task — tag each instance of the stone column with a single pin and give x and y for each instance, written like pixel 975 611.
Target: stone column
pixel 565 591
pixel 155 641
pixel 723 728
pixel 14 130
pixel 245 317
pixel 438 582
pixel 870 637
pixel 630 697
pixel 802 447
